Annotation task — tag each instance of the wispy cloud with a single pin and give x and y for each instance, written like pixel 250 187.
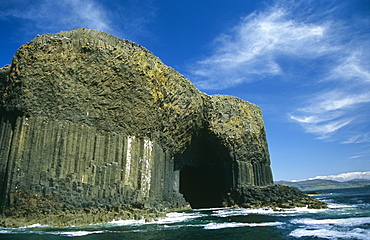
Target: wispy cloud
pixel 341 108
pixel 250 51
pixel 325 130
pixel 347 103
pixel 41 16
pixel 335 100
pixel 358 138
pixel 355 66
pixel 331 56
pixel 89 13
pixel 357 156
pixel 328 112
pixel 46 15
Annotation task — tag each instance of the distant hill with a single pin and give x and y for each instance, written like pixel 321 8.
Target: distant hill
pixel 321 184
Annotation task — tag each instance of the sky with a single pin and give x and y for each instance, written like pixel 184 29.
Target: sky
pixel 306 63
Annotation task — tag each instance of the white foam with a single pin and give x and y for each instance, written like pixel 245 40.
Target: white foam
pixel 76 233
pixel 173 217
pixel 176 217
pixel 331 234
pixel 37 225
pixel 131 222
pixel 241 211
pixel 320 194
pixel 339 206
pixel 211 209
pixel 40 232
pixel 279 211
pixel 235 225
pixel 301 210
pixel 344 222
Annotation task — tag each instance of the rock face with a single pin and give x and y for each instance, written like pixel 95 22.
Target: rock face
pixel 90 121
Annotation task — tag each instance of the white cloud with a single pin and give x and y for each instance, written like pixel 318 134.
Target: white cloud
pixel 88 13
pixel 327 128
pixel 355 66
pixel 357 156
pixel 345 176
pixel 331 57
pixel 329 112
pixel 358 138
pixel 346 94
pixel 249 52
pixel 314 119
pixel 335 100
pixel 60 15
pixel 126 20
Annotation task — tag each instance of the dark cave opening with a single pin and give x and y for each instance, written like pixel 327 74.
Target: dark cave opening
pixel 201 187
pixel 205 172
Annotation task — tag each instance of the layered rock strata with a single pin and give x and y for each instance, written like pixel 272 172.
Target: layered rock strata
pixel 90 123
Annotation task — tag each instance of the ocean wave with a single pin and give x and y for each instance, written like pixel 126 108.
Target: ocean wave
pixel 240 211
pixel 236 224
pixel 41 232
pixel 130 222
pixel 172 217
pixel 340 206
pixel 74 233
pixel 177 217
pixel 37 225
pixel 356 233
pixel 211 209
pixel 343 222
pixel 265 211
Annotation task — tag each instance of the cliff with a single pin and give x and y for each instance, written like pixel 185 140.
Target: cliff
pixel 92 124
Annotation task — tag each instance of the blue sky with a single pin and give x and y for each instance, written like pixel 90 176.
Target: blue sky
pixel 305 63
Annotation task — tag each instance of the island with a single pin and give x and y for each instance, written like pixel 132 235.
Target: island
pixel 95 128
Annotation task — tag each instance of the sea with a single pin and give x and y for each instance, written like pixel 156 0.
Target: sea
pixel 348 217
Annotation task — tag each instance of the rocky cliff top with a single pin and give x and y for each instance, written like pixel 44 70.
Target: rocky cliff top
pixel 95 79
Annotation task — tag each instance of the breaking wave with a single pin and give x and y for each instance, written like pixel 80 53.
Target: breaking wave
pixel 348 217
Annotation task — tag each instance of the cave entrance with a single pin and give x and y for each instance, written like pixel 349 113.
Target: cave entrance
pixel 205 172
pixel 201 187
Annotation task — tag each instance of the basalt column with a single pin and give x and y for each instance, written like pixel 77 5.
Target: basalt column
pixel 90 121
pixel 228 155
pixel 52 158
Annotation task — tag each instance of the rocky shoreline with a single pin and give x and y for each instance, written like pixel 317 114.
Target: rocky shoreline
pixel 274 196
pixel 80 217
pixel 45 212
pixel 61 211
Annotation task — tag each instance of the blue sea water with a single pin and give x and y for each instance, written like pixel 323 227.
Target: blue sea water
pixel 348 217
